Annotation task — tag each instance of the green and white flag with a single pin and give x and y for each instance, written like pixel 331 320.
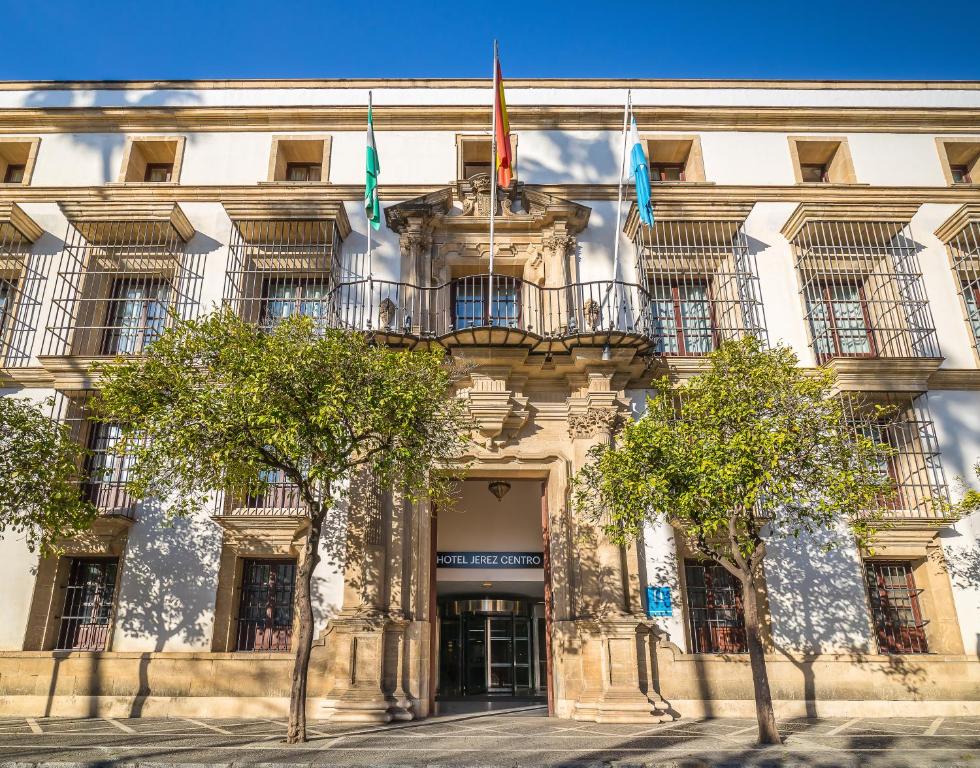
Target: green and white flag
pixel 372 206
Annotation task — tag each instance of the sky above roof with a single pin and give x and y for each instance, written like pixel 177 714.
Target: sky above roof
pixel 200 39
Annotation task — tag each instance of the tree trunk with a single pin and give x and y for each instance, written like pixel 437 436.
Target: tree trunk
pixel 303 605
pixel 757 660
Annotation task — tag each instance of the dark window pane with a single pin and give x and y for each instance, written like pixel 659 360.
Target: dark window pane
pixel 265 614
pixel 303 171
pixel 714 607
pixel 158 172
pixel 89 602
pixel 960 174
pixel 14 174
pixel 813 172
pixel 895 609
pixel 666 172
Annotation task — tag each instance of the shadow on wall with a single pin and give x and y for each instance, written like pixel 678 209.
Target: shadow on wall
pixel 817 602
pixel 109 143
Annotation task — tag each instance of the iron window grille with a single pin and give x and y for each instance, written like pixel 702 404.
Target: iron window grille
pixel 22 279
pixel 964 250
pixel 862 291
pixel 915 466
pixel 86 619
pixel 475 307
pixel 279 268
pixel 104 472
pixel 702 282
pixel 714 607
pixel 895 610
pixel 117 286
pixel 265 614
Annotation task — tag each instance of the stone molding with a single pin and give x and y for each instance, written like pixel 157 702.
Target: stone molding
pixel 966 214
pixel 87 215
pixel 17 225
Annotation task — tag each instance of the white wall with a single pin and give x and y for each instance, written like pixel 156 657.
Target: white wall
pixel 955 416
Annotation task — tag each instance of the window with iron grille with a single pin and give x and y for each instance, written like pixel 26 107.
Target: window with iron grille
pixel 265 615
pixel 680 318
pixel 22 279
pixel 279 268
pixel 895 610
pixel 714 608
pixel 862 290
pixel 117 285
pixel 964 250
pixel 86 619
pixel 915 465
pixel 136 315
pixel 701 283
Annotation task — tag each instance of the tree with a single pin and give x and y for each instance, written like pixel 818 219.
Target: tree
pixel 40 496
pixel 752 449
pixel 220 404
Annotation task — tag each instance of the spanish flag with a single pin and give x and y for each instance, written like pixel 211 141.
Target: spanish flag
pixel 505 158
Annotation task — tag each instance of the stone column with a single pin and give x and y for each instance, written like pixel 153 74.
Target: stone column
pixel 616 638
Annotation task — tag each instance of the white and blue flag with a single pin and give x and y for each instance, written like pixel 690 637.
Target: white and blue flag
pixel 640 174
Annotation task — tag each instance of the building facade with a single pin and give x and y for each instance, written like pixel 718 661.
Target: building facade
pixel 840 219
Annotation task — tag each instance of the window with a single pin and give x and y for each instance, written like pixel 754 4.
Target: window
pixel 14 173
pixel 675 158
pixel 299 159
pixel 8 290
pixel 960 174
pixel 107 472
pixel 86 620
pixel 960 158
pixel 153 159
pixel 135 316
pixel 895 609
pixel 714 607
pixel 158 172
pixel 821 160
pixel 681 318
pixel 839 321
pixel 473 155
pixel 284 298
pixel 971 297
pixel 265 614
pixel 279 493
pixel 470 302
pixel 302 172
pixel 666 172
pixel 17 157
pixel 813 172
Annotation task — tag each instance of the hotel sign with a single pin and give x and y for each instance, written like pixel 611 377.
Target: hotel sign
pixel 489 560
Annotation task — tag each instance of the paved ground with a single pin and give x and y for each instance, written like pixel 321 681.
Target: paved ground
pixel 518 737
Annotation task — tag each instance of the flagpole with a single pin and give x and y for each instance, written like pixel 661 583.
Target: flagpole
pixel 370 258
pixel 493 177
pixel 619 204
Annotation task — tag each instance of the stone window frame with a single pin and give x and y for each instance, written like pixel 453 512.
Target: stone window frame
pixel 462 139
pixel 693 161
pixel 29 161
pixel 134 162
pixel 276 538
pixel 840 166
pixel 279 151
pixel 106 538
pixel 943 144
pixel 921 548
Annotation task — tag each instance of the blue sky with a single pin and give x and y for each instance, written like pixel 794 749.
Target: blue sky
pixel 105 39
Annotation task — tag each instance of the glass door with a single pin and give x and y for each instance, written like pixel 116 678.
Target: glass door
pixel 474 655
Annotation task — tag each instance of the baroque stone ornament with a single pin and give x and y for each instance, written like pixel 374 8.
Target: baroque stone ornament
pixel 560 244
pixel 594 421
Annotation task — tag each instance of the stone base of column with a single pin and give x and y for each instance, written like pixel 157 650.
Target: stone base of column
pixel 621 688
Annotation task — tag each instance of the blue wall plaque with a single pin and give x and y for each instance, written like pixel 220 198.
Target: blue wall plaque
pixel 489 560
pixel 658 602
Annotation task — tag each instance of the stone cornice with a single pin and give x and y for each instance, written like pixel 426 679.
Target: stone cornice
pixel 677 193
pixel 883 374
pixel 966 215
pixel 474 117
pixel 694 207
pixel 312 208
pixel 17 225
pixel 86 215
pixel 808 213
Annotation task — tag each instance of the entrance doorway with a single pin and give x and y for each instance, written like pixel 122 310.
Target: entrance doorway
pixel 492 648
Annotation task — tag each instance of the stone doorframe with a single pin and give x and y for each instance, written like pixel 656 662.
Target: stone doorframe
pixel 379 649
